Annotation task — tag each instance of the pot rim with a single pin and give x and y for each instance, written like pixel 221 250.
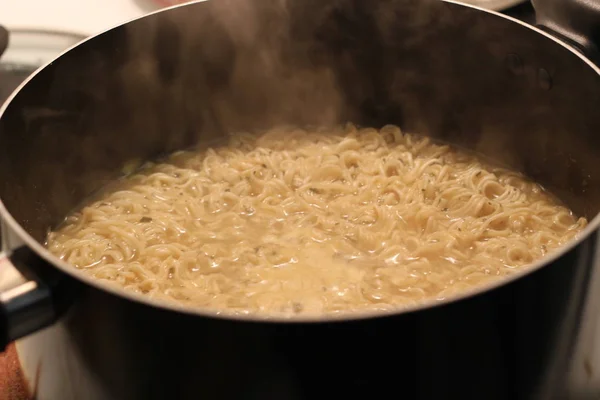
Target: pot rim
pixel 7 219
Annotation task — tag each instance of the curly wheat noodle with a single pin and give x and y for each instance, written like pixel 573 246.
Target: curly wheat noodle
pixel 291 221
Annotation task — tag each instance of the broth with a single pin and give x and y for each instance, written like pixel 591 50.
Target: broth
pixel 290 222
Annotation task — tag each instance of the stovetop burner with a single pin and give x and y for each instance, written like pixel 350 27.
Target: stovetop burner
pixel 23 51
pixel 11 76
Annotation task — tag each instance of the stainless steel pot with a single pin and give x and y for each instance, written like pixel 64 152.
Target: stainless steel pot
pixel 195 72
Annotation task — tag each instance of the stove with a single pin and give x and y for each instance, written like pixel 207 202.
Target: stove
pixel 27 50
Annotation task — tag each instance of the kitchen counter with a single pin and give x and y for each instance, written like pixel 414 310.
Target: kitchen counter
pixel 12 383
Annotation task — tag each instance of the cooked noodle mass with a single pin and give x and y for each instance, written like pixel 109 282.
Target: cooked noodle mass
pixel 314 222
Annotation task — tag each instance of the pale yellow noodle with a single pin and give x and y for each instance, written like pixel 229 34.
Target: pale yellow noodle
pixel 308 222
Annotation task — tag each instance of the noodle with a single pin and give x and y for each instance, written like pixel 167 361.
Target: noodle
pixel 314 222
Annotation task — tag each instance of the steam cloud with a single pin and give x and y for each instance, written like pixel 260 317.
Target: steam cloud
pixel 201 71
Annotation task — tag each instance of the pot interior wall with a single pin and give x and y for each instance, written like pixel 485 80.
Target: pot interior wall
pixel 197 72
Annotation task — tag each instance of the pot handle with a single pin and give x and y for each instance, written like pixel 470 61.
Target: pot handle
pixel 33 294
pixel 576 22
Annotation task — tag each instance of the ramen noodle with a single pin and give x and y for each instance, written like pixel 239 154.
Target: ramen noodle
pixel 292 221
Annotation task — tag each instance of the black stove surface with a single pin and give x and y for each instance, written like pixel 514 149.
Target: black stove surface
pixel 11 76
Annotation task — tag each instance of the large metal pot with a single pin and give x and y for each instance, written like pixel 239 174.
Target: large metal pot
pixel 170 79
